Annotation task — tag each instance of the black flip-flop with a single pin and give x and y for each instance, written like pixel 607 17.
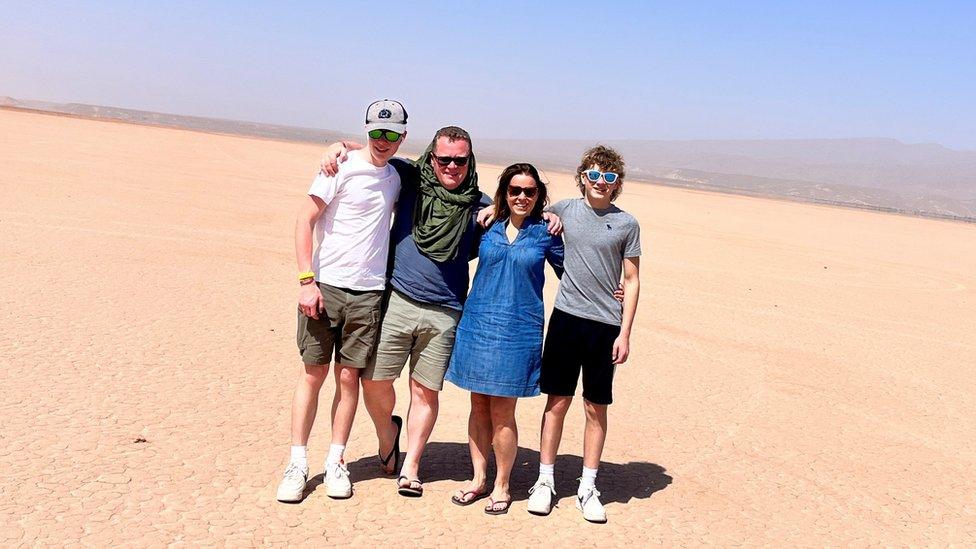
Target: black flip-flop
pixel 490 510
pixel 408 490
pixel 395 451
pixel 472 495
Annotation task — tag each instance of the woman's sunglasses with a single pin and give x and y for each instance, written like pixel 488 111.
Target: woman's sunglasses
pixel 445 161
pixel 389 135
pixel 529 192
pixel 594 175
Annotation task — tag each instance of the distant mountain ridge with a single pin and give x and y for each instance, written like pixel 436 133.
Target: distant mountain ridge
pixel 919 179
pixel 874 173
pixel 199 123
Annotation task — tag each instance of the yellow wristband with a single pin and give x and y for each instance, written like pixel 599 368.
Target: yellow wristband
pixel 306 275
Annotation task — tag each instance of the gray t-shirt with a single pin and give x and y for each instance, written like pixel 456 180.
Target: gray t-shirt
pixel 597 241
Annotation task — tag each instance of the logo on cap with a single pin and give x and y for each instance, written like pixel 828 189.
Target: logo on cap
pixel 385 113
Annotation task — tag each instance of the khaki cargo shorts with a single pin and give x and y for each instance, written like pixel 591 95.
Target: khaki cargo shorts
pixel 348 326
pixel 422 332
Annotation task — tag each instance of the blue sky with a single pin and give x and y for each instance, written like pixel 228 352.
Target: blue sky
pixel 691 70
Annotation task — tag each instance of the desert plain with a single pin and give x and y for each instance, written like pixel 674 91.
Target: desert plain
pixel 800 374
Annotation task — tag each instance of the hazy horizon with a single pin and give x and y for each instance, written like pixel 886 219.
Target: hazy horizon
pixel 31 102
pixel 919 179
pixel 625 70
pixel 356 130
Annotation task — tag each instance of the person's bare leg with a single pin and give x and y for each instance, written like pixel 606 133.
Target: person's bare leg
pixel 542 492
pixel 304 406
pixel 344 403
pixel 552 427
pixel 424 406
pixel 380 400
pixel 505 443
pixel 595 434
pixel 479 441
pixel 305 403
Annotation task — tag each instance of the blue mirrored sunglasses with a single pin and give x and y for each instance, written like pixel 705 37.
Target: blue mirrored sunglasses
pixel 594 175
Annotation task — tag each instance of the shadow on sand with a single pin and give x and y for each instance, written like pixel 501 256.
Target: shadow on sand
pixel 618 482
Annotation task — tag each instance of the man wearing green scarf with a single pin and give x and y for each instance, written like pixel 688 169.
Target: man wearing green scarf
pixel 447 193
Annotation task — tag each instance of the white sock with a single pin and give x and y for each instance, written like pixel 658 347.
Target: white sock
pixel 299 456
pixel 335 454
pixel 547 471
pixel 587 480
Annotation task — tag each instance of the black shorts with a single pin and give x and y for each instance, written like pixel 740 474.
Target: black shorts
pixel 574 344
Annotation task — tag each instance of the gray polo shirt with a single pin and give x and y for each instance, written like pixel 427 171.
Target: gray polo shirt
pixel 597 241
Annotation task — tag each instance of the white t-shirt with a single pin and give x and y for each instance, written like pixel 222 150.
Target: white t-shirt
pixel 353 233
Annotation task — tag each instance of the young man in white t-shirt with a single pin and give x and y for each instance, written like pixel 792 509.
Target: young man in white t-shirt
pixel 342 281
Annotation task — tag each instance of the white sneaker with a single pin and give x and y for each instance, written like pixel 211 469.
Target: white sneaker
pixel 337 482
pixel 292 487
pixel 540 497
pixel 589 504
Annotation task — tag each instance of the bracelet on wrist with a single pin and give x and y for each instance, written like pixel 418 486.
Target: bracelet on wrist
pixel 306 281
pixel 306 275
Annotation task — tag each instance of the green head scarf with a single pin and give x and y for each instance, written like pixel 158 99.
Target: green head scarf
pixel 440 216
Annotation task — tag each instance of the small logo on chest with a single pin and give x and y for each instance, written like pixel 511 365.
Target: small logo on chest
pixel 609 228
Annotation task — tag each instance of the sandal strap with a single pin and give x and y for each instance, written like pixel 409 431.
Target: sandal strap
pixel 396 442
pixel 492 503
pixel 465 495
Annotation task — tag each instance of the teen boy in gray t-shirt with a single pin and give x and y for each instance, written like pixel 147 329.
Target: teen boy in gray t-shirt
pixel 588 332
pixel 601 239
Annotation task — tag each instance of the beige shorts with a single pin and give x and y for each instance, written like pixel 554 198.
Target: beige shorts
pixel 421 332
pixel 348 326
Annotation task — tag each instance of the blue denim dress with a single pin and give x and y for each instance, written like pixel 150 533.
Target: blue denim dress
pixel 498 347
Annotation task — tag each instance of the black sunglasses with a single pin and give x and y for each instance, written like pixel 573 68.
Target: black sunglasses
pixel 529 192
pixel 445 161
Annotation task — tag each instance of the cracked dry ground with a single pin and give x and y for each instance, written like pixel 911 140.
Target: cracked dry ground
pixel 800 375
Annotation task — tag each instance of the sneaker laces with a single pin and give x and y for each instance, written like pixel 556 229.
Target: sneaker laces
pixel 590 492
pixel 539 484
pixel 294 471
pixel 339 467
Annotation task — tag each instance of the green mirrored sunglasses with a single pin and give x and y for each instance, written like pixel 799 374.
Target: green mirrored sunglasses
pixel 389 135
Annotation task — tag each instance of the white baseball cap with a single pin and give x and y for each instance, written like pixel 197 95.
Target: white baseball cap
pixel 386 114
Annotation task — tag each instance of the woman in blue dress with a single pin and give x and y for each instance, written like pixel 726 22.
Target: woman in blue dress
pixel 498 346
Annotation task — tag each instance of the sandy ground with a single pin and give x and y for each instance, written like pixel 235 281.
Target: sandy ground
pixel 800 374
